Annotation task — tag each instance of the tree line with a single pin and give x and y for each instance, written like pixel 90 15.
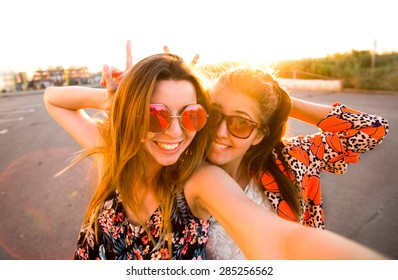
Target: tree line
pixel 357 70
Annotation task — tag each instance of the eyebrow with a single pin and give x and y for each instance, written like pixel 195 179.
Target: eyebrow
pixel 219 107
pixel 244 113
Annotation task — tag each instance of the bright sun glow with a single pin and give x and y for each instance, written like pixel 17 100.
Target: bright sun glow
pixel 74 33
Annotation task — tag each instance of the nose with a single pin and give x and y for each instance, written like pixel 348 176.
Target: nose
pixel 222 130
pixel 175 129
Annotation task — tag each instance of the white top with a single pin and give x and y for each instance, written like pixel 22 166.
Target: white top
pixel 220 246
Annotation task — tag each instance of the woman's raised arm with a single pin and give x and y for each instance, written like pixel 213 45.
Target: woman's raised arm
pixel 66 105
pixel 309 112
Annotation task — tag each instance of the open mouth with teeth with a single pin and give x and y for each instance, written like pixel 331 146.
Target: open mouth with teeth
pixel 221 146
pixel 168 146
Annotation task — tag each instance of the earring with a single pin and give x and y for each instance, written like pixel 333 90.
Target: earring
pixel 265 131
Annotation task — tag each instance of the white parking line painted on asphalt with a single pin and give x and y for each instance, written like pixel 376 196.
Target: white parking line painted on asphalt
pixel 17 112
pixel 12 120
pixel 6 112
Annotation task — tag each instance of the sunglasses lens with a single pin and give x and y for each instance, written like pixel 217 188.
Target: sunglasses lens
pixel 193 118
pixel 159 118
pixel 239 127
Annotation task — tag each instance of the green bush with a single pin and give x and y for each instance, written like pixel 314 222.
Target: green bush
pixel 357 70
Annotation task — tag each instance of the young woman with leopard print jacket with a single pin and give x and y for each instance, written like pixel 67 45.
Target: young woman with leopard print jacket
pixel 281 174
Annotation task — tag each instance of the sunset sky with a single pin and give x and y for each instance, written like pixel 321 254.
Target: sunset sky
pixel 44 33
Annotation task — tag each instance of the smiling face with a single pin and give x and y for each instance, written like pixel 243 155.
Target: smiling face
pixel 226 150
pixel 167 146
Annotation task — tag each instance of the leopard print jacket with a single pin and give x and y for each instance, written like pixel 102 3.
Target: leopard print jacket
pixel 344 134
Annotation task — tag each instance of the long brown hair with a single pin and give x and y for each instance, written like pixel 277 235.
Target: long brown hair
pixel 123 153
pixel 275 105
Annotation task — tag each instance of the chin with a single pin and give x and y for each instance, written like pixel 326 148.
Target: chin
pixel 215 160
pixel 167 162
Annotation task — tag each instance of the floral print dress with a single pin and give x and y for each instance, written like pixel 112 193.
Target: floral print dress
pixel 344 135
pixel 118 239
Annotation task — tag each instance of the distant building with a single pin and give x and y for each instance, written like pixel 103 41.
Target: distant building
pixel 41 79
pixel 54 76
pixel 6 81
pixel 13 81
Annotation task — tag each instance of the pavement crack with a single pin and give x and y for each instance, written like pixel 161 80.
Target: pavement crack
pixel 368 221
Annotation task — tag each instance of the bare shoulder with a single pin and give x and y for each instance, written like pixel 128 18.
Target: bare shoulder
pixel 208 172
pixel 208 178
pixel 200 187
pixel 207 186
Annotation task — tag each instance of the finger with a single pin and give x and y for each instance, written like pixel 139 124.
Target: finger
pixel 129 57
pixel 195 59
pixel 115 71
pixel 166 49
pixel 107 75
pixel 118 77
pixel 105 69
pixel 115 74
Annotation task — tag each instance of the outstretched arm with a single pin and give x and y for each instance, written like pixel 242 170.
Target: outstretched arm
pixel 260 234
